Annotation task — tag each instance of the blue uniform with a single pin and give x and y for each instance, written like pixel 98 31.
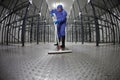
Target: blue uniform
pixel 61 18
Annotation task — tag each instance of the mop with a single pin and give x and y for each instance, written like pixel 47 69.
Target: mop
pixel 59 50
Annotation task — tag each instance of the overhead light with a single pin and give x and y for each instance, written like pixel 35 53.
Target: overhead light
pixel 80 13
pixel 40 13
pixel 114 13
pixel 45 20
pixel 89 1
pixel 56 4
pixel 119 17
pixel 6 15
pixel 74 20
pixel 30 1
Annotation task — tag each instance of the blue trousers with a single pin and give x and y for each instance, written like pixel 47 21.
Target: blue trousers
pixel 61 30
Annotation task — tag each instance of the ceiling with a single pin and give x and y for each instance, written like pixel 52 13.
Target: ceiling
pixel 66 3
pixel 71 6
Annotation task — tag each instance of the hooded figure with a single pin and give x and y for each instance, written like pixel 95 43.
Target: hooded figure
pixel 61 15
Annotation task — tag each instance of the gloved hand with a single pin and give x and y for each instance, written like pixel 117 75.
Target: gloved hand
pixel 56 22
pixel 51 15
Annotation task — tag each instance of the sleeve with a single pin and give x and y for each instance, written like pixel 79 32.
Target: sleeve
pixel 63 17
pixel 52 11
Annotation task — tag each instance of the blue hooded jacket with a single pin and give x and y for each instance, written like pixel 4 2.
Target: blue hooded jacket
pixel 61 18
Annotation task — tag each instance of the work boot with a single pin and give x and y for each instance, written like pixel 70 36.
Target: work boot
pixel 56 44
pixel 63 42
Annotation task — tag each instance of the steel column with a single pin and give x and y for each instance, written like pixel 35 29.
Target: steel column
pixel 38 29
pixel 96 25
pixel 24 26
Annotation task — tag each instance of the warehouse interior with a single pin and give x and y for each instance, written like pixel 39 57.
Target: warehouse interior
pixel 27 34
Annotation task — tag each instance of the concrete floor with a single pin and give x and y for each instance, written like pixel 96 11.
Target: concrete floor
pixel 87 62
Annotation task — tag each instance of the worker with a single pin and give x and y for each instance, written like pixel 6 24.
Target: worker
pixel 61 15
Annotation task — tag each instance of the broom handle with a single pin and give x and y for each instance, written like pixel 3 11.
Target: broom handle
pixel 56 34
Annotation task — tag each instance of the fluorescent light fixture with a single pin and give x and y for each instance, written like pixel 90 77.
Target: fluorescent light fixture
pixel 80 13
pixel 119 17
pixel 114 13
pixel 45 20
pixel 6 15
pixel 56 4
pixel 40 13
pixel 74 20
pixel 30 1
pixel 89 1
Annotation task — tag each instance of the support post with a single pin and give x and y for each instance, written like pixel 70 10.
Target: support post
pixel 38 30
pixel 96 25
pixel 24 26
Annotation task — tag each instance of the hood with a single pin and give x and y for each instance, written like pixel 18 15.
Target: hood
pixel 60 6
